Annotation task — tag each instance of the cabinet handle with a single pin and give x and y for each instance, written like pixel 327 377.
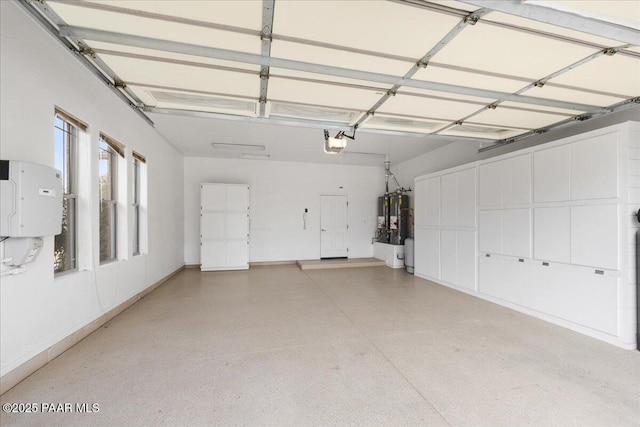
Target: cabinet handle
pixel 600 272
pixel 546 264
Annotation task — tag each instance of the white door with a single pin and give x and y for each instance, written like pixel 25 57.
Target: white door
pixel 333 226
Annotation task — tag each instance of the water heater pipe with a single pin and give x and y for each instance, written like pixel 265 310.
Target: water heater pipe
pixel 388 173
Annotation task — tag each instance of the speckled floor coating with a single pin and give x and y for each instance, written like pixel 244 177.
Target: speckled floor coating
pixel 367 346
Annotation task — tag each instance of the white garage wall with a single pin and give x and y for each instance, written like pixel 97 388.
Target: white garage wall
pixel 37 309
pixel 280 191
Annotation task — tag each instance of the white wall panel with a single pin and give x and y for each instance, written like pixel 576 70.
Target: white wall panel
pixel 448 256
pixel 466 259
pixel 552 234
pixel 433 201
pixel 594 167
pixel 516 232
pixel 594 236
pixel 490 231
pixel 449 197
pixel 552 174
pixel 213 225
pixel 516 180
pixel 237 226
pixel 466 204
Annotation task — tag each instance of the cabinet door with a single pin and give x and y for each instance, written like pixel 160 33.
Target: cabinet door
pixel 237 197
pixel 213 197
pixel 594 236
pixel 552 174
pixel 449 197
pixel 448 256
pixel 427 253
pixel 432 210
pixel 516 180
pixel 490 229
pixel 213 225
pixel 594 168
pixel 466 259
pixel 213 255
pixel 466 203
pixel 237 226
pixel 490 184
pixel 552 234
pixel 420 203
pixel 516 232
pixel 238 254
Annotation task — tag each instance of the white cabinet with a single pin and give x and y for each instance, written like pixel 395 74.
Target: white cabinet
pixel 490 229
pixel 449 197
pixel 490 186
pixel 448 257
pixel 224 227
pixel 466 203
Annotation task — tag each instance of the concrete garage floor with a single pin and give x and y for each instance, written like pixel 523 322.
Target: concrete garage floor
pixel 367 346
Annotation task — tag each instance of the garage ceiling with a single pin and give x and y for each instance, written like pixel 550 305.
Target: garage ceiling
pixel 488 71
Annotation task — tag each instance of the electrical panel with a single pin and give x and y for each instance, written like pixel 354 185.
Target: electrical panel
pixel 31 200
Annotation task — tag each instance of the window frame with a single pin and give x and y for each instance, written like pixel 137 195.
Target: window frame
pixel 138 160
pixel 71 134
pixel 114 149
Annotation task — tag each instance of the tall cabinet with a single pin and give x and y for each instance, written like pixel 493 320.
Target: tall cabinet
pixel 548 230
pixel 224 226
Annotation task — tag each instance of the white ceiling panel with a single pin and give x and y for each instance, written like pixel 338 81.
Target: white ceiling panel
pixel 617 74
pixel 480 131
pixel 380 88
pixel 128 24
pixel 548 28
pixel 308 112
pixel 246 13
pixel 437 94
pixel 461 78
pixel 338 58
pixel 171 55
pixel 425 107
pixel 625 13
pixel 570 95
pixel 373 25
pixel 185 77
pixel 383 121
pixel 199 102
pixel 539 108
pixel 321 94
pixel 516 118
pixel 516 53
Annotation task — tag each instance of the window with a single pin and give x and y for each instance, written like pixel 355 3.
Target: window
pixel 138 220
pixel 66 129
pixel 109 152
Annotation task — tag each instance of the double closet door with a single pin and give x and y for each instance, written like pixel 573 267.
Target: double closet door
pixel 224 227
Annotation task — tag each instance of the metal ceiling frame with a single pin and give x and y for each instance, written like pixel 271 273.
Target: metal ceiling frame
pixel 250 58
pixel 49 20
pixel 471 19
pixel 560 18
pixel 539 83
pixel 73 38
pixel 265 36
pixel 311 123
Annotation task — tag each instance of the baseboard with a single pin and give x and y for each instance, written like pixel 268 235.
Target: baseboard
pixel 19 373
pixel 267 263
pixel 191 266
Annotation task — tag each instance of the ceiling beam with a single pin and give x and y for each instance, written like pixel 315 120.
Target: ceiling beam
pixel 266 37
pixel 250 58
pixel 560 18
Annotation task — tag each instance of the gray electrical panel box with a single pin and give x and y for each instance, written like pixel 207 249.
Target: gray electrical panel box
pixel 30 200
